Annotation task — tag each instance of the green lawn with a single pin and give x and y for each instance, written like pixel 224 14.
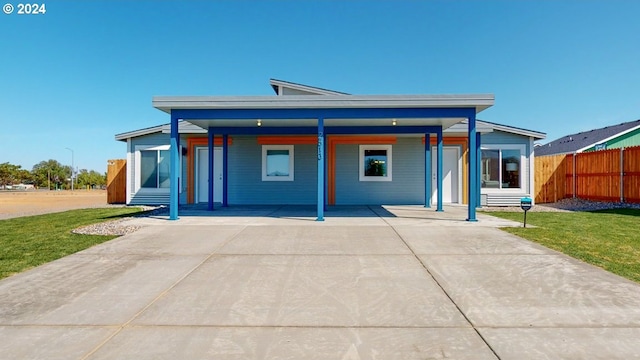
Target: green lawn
pixel 30 241
pixel 609 239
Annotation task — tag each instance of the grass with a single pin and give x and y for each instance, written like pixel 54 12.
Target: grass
pixel 609 239
pixel 30 241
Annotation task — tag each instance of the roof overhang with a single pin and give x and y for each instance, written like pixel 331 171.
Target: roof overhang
pixel 337 110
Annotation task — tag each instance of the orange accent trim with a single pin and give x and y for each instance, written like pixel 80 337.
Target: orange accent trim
pixel 287 140
pixel 332 141
pixel 192 143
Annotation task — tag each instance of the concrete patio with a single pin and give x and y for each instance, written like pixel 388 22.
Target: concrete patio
pixel 397 282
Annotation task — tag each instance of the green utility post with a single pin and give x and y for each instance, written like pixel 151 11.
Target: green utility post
pixel 525 204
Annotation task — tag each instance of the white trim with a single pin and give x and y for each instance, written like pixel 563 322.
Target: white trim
pixel 137 155
pixel 609 138
pixel 388 149
pixel 532 171
pixel 289 148
pixel 524 182
pixel 129 171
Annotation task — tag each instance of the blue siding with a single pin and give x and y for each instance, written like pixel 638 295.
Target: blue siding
pixel 245 176
pixel 407 186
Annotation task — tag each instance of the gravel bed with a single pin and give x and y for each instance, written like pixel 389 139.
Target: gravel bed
pixel 567 205
pixel 119 227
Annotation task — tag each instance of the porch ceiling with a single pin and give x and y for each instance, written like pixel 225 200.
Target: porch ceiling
pixel 267 123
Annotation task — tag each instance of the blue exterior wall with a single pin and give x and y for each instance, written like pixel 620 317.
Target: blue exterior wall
pixel 245 176
pixel 406 187
pixel 245 185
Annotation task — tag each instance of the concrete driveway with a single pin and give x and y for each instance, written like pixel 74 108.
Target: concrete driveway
pixel 271 283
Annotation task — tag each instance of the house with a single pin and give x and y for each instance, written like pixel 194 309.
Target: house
pixel 308 145
pixel 611 137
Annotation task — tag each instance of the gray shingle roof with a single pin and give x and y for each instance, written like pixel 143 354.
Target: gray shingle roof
pixel 581 140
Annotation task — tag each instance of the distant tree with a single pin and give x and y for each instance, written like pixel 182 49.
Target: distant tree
pixel 50 172
pixel 9 174
pixel 90 178
pixel 25 176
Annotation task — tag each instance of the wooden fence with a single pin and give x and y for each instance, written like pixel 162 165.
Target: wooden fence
pixel 117 181
pixel 606 175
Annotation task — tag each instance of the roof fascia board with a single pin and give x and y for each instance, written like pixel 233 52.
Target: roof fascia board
pixel 478 101
pixel 141 132
pixel 306 88
pixel 505 128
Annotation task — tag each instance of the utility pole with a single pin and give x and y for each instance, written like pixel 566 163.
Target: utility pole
pixel 72 167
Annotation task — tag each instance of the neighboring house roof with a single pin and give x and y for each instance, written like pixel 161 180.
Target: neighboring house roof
pixel 584 140
pixel 278 85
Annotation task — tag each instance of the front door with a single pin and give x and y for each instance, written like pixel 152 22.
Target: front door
pixel 202 175
pixel 450 175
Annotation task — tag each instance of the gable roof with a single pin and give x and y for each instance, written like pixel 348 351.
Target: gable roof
pixel 311 90
pixel 581 141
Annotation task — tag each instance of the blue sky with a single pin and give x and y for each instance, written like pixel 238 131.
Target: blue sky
pixel 87 70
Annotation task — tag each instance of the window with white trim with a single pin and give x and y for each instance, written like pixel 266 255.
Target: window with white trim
pixel 153 167
pixel 277 163
pixel 375 163
pixel 502 167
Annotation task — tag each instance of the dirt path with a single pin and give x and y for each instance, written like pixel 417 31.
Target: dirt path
pixel 25 203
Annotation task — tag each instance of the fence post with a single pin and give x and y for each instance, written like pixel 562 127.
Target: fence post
pixel 622 174
pixel 575 185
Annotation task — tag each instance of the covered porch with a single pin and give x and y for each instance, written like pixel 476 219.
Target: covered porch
pixel 322 116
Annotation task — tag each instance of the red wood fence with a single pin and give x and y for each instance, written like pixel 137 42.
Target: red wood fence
pixel 606 175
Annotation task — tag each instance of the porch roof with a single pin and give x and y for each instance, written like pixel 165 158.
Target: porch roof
pixel 338 110
pixel 478 101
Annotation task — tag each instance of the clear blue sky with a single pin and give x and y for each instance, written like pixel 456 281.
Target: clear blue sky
pixel 87 70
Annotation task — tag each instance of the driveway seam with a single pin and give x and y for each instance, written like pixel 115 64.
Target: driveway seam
pixel 161 295
pixel 439 285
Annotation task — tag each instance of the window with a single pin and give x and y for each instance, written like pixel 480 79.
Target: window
pixel 277 163
pixel 502 167
pixel 153 167
pixel 375 163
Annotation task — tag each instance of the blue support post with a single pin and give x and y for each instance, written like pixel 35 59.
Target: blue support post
pixel 210 185
pixel 478 170
pixel 427 170
pixel 225 169
pixel 326 175
pixel 439 170
pixel 473 171
pixel 174 185
pixel 321 165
